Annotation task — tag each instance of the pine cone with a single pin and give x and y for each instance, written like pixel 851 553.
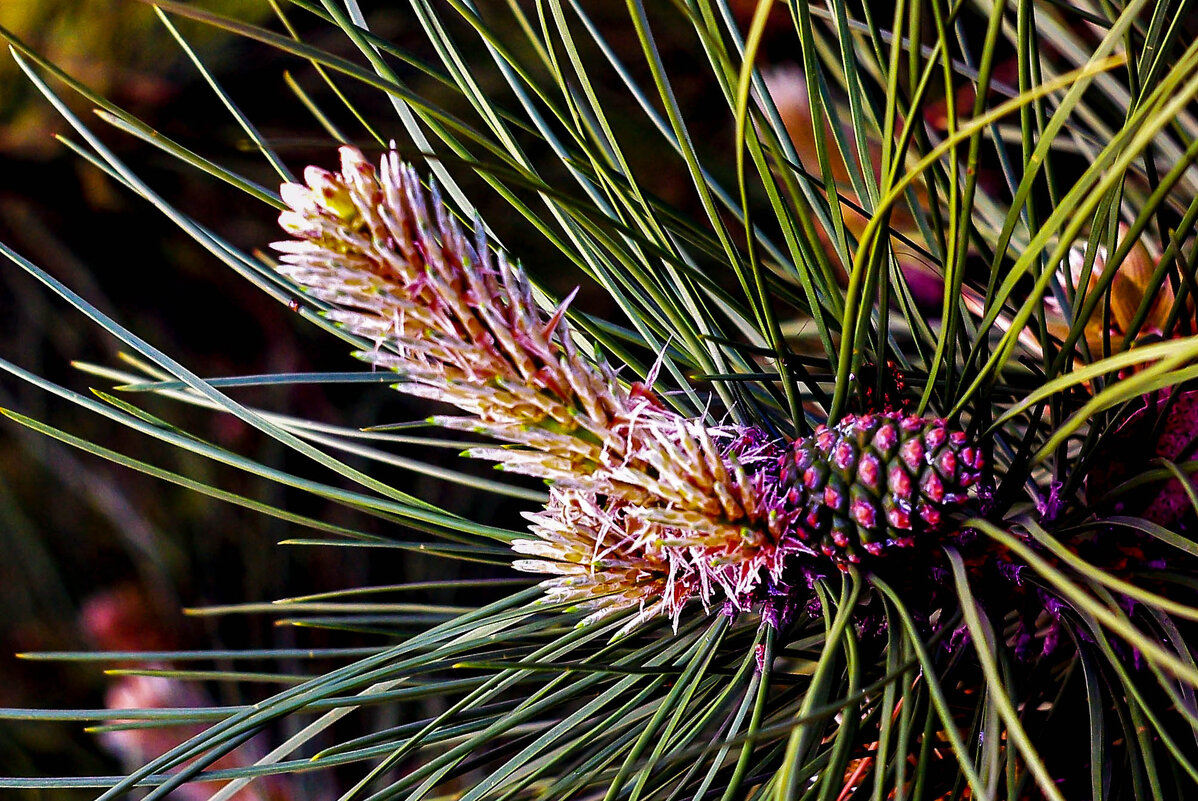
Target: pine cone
pixel 877 481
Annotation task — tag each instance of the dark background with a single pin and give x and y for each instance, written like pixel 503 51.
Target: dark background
pixel 96 556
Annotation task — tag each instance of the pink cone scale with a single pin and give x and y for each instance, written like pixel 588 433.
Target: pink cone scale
pixel 878 481
pixel 648 509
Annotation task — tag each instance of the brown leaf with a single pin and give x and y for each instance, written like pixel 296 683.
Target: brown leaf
pixel 1132 280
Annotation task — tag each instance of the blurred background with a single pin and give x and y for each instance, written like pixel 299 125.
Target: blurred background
pixel 94 556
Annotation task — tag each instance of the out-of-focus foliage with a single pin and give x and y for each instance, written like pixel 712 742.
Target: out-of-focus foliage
pixel 93 556
pixel 111 44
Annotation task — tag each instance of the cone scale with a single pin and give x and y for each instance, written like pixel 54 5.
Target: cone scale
pixel 874 482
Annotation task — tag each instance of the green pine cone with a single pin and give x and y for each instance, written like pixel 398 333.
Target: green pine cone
pixel 877 481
